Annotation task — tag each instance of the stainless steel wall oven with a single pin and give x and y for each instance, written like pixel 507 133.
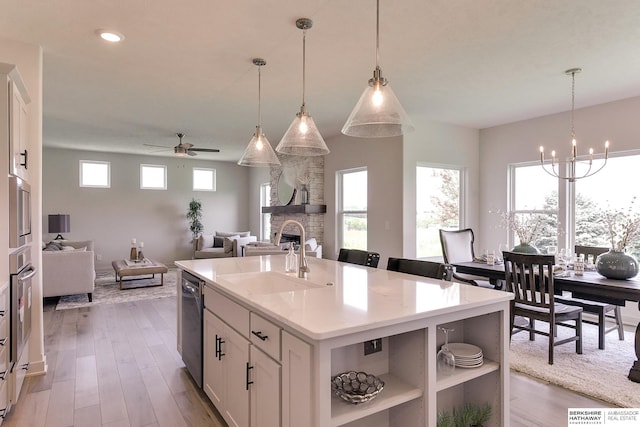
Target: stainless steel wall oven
pixel 22 271
pixel 19 212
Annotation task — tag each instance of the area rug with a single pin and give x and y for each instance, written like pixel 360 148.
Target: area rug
pixel 601 374
pixel 107 291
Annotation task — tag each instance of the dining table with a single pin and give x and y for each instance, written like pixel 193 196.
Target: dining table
pixel 590 285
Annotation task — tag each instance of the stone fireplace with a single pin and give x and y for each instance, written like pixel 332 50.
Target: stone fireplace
pixel 296 171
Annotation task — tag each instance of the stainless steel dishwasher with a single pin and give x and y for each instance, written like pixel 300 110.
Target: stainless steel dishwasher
pixel 192 307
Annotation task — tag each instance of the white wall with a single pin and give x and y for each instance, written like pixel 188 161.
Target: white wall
pixel 439 144
pixel 519 142
pixel 112 217
pixel 383 159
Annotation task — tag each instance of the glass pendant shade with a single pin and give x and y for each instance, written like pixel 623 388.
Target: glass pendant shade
pixel 259 151
pixel 377 114
pixel 302 138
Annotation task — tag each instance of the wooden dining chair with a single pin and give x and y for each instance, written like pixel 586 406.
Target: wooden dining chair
pixel 530 278
pixel 457 246
pixel 434 270
pixel 603 310
pixel 360 257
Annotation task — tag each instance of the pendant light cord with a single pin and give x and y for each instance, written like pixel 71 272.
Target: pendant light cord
pixel 573 102
pixel 259 96
pixel 304 64
pixel 377 34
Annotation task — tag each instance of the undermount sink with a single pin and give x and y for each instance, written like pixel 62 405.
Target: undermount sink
pixel 267 282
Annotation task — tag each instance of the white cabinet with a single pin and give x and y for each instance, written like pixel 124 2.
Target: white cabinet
pixel 5 345
pixel 242 380
pixel 264 379
pixel 14 115
pixel 226 373
pixel 297 407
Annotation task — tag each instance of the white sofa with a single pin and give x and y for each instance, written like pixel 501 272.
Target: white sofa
pixel 312 249
pixel 221 244
pixel 68 271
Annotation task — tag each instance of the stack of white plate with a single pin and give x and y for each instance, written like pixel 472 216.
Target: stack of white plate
pixel 467 355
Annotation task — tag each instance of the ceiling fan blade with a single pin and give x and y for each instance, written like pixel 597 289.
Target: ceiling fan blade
pixel 191 153
pixel 185 145
pixel 160 146
pixel 207 150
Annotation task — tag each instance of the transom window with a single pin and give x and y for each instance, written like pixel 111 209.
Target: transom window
pixel 95 174
pixel 204 179
pixel 153 177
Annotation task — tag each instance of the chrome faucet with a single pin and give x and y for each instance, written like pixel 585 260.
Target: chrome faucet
pixel 303 268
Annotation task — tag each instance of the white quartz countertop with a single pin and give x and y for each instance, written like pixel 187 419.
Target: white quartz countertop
pixel 336 298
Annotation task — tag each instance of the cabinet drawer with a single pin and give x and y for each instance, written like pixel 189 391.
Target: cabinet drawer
pixel 232 313
pixel 265 335
pixel 4 400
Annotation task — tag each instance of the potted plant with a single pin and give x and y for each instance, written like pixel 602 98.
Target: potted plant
pixel 194 215
pixel 526 226
pixel 445 419
pixel 623 229
pixel 480 414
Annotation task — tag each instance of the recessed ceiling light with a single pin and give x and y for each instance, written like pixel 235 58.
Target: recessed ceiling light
pixel 110 36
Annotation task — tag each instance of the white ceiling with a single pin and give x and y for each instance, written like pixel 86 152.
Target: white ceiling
pixel 186 66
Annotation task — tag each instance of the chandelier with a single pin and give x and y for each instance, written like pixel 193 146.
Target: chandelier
pixel 571 165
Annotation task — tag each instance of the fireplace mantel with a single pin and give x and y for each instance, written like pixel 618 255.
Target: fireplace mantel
pixel 295 209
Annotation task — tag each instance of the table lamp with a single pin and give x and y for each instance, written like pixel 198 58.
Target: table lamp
pixel 59 223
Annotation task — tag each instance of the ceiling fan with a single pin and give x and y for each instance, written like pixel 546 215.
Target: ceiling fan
pixel 185 148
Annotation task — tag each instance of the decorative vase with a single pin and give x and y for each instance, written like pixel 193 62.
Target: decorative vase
pixel 304 195
pixel 525 248
pixel 616 265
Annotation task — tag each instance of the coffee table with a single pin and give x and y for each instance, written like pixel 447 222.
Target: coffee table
pixel 147 267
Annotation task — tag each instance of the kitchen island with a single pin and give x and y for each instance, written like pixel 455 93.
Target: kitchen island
pixel 273 341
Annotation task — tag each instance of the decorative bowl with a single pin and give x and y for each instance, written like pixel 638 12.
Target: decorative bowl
pixel 356 387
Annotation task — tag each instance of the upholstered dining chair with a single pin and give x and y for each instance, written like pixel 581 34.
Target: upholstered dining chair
pixel 434 270
pixel 360 257
pixel 603 310
pixel 457 246
pixel 530 278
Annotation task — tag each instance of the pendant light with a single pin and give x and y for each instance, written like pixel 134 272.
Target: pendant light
pixel 303 138
pixel 259 151
pixel 378 113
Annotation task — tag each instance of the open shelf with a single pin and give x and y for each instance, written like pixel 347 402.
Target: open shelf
pixel 395 392
pixel 461 375
pixel 295 209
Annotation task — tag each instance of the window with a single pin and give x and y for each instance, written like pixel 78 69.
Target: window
pixel 95 174
pixel 438 205
pixel 204 179
pixel 535 197
pixel 352 208
pixel 613 188
pixel 153 177
pixel 265 218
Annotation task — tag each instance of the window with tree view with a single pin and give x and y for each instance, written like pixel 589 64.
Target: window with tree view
pixel 612 190
pixel 534 207
pixel 352 208
pixel 437 206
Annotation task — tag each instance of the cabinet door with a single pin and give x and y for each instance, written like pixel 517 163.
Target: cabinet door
pixel 236 359
pixel 265 390
pixel 18 133
pixel 297 407
pixel 213 375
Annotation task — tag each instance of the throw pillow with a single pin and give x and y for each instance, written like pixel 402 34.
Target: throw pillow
pixel 67 248
pixel 218 242
pixel 206 241
pixel 228 243
pixel 233 233
pixel 311 244
pixel 53 246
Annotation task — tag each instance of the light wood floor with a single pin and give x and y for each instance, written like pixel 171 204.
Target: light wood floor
pixel 117 365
